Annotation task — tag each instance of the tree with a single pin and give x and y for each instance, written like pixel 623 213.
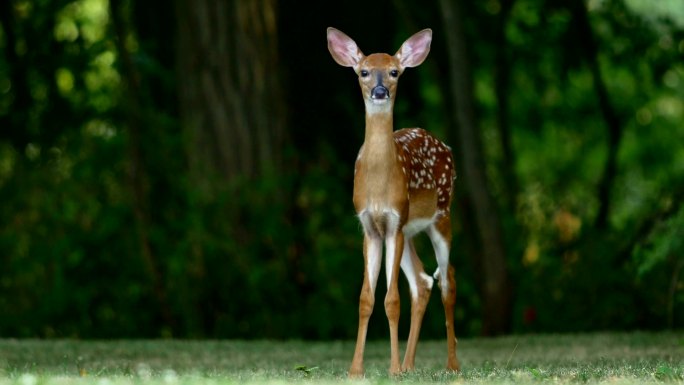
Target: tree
pixel 228 85
pixel 588 46
pixel 195 161
pixel 495 285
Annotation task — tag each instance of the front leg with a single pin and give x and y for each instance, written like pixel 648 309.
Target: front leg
pixel 394 244
pixel 372 252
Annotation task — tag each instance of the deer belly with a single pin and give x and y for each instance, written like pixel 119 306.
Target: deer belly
pixel 417 225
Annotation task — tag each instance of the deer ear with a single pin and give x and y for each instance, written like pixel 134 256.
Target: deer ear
pixel 343 49
pixel 415 49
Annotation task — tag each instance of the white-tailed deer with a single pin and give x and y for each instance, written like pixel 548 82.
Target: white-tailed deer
pixel 402 186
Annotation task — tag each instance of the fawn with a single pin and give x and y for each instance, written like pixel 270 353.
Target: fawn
pixel 403 183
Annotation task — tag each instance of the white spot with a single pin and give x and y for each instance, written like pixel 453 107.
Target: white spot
pixel 428 280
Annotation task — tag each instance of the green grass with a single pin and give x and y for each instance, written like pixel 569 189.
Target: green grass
pixel 610 358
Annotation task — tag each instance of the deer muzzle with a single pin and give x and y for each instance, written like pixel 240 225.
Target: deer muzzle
pixel 380 92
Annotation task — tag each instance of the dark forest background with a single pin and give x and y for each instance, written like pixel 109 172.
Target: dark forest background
pixel 184 168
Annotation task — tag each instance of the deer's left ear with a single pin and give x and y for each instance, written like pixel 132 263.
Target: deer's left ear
pixel 415 49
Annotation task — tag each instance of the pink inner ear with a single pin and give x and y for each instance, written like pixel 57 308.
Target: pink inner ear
pixel 342 48
pixel 414 51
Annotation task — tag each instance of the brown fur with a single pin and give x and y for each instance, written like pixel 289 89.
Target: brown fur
pixel 399 177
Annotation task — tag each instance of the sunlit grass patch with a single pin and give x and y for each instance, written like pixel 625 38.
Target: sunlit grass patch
pixel 606 358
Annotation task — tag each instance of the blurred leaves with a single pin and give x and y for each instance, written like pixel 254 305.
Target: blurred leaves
pixel 279 256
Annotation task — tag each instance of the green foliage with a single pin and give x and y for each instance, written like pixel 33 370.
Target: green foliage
pixel 659 263
pixel 665 243
pixel 107 230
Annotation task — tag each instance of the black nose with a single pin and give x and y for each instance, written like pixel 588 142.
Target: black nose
pixel 379 92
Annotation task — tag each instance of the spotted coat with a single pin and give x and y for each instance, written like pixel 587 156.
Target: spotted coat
pixel 427 162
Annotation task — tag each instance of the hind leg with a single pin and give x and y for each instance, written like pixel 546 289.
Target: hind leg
pixel 421 286
pixel 440 235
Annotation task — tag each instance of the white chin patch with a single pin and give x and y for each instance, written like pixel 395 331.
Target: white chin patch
pixel 378 106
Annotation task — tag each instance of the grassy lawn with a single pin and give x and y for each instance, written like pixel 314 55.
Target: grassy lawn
pixel 629 358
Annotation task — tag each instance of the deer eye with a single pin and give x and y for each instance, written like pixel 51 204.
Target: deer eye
pixel 364 73
pixel 394 73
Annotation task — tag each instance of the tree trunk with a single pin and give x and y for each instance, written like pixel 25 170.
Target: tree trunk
pixel 137 124
pixel 590 51
pixel 495 286
pixel 230 96
pixel 501 88
pixel 231 107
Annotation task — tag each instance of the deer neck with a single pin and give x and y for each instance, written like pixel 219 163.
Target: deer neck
pixel 378 160
pixel 379 147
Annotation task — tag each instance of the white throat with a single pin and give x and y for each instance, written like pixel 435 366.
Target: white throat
pixel 374 106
